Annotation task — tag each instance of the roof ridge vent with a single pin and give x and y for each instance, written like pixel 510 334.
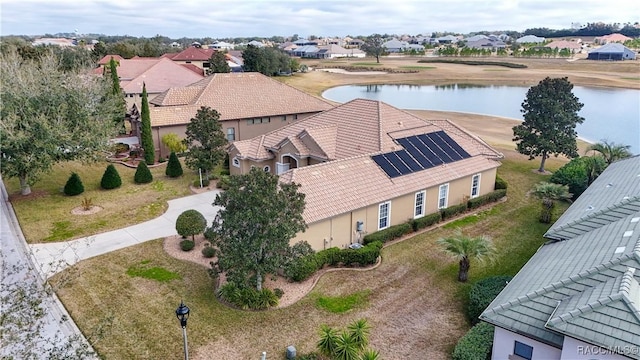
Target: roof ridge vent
pixel 630 288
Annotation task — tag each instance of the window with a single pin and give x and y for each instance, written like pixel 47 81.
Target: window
pixel 475 185
pixel 295 116
pixel 250 121
pixel 267 168
pixel 231 134
pixel 384 211
pixel 442 196
pixel 236 162
pixel 284 117
pixel 523 350
pixel 419 204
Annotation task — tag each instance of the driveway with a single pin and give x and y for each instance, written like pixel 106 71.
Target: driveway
pixel 55 257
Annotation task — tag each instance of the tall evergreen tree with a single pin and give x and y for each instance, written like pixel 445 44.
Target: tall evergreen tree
pixel 116 91
pixel 146 136
pixel 550 118
pixel 174 168
pixel 110 178
pixel 218 63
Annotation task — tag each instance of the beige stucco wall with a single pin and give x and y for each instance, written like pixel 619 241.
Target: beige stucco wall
pixel 340 231
pixel 131 99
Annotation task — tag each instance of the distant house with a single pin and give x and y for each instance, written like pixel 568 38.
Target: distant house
pixel 476 38
pixel 304 42
pixel 221 45
pixel 612 51
pixel 564 44
pixel 615 38
pixel 256 43
pixel 355 43
pixel 305 51
pixel 448 39
pixel 486 43
pixel 62 42
pixel 194 55
pixel 365 165
pixel 335 51
pixel 578 297
pixel 250 104
pixel 395 46
pixel 530 39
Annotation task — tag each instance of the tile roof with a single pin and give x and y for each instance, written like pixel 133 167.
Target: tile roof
pixel 611 47
pixel 564 44
pixel 105 59
pixel 159 74
pixel 235 96
pixel 584 286
pixel 193 54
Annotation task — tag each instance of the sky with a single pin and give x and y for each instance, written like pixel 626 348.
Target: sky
pixel 246 18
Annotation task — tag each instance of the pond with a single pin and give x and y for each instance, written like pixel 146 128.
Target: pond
pixel 610 114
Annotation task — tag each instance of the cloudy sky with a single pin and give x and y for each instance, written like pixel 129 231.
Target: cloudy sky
pixel 240 18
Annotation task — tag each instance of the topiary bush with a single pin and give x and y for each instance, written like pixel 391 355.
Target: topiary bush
pixel 476 344
pixel 500 183
pixel 143 174
pixel 191 223
pixel 110 178
pixel 208 252
pixel 388 234
pixel 425 221
pixel 452 211
pixel 482 294
pixel 174 168
pixel 74 185
pixel 187 245
pixel 486 198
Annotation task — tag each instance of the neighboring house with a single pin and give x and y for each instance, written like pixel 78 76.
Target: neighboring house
pixel 62 42
pixel 194 55
pixel 250 104
pixel 355 43
pixel 304 42
pixel 449 39
pixel 578 297
pixel 335 51
pixel 476 38
pixel 573 46
pixel 395 46
pixel 615 38
pixel 305 51
pixel 221 45
pixel 159 74
pixel 365 165
pixel 256 43
pixel 486 44
pixel 612 51
pixel 530 39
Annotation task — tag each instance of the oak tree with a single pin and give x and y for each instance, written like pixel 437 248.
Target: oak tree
pixel 373 46
pixel 205 140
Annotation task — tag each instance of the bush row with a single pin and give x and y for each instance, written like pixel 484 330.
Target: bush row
pixel 475 344
pixel 397 231
pixel 247 298
pixel 301 268
pixel 475 62
pixel 370 68
pixel 482 294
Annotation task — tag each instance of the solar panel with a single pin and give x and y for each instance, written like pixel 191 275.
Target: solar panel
pixel 411 162
pixel 395 160
pixel 385 165
pixel 440 148
pixel 454 145
pixel 431 150
pixel 408 144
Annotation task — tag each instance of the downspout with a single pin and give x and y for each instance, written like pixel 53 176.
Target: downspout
pixel 159 147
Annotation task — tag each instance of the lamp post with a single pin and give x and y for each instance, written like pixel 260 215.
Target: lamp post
pixel 182 313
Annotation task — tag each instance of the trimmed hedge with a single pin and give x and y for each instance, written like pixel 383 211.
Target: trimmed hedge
pixel 482 294
pixel 110 178
pixel 388 234
pixel 452 211
pixel 74 185
pixel 500 183
pixel 208 251
pixel 486 198
pixel 476 62
pixel 143 174
pixel 425 221
pixel 476 344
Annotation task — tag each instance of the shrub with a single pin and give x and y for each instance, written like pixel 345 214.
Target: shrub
pixel 425 221
pixel 475 62
pixel 475 344
pixel 388 234
pixel 190 223
pixel 278 292
pixel 482 294
pixel 247 298
pixel 110 178
pixel 174 168
pixel 500 183
pixel 187 245
pixel 224 172
pixel 223 182
pixel 575 173
pixel 205 182
pixel 120 148
pixel 143 174
pixel 208 252
pixel 74 185
pixel 452 211
pixel 486 198
pixel 302 268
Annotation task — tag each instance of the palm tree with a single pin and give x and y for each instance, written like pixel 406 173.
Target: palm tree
pixel 594 166
pixel 465 248
pixel 550 193
pixel 611 151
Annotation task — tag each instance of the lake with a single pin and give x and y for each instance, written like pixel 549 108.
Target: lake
pixel 610 114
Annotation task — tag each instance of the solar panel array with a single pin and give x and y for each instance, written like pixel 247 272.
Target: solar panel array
pixel 420 152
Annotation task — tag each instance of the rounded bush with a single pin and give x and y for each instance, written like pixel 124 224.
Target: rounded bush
pixel 143 174
pixel 482 294
pixel 110 178
pixel 205 182
pixel 278 292
pixel 74 185
pixel 208 252
pixel 187 245
pixel 190 223
pixel 174 168
pixel 500 183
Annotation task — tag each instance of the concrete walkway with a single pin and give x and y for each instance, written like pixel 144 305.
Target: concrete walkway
pixel 55 257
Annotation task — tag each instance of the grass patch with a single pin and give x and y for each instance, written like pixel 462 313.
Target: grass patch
pixel 417 67
pixel 631 78
pixel 341 304
pixel 61 230
pixel 154 273
pixel 495 69
pixel 472 219
pixel 367 64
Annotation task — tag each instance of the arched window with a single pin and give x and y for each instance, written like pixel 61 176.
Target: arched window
pixel 236 162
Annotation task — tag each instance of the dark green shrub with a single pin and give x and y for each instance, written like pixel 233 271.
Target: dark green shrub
pixel 330 256
pixel 110 178
pixel 205 182
pixel 224 172
pixel 475 62
pixel 388 234
pixel 190 223
pixel 278 292
pixel 225 163
pixel 208 252
pixel 210 234
pixel 143 174
pixel 576 172
pixel 74 185
pixel 162 160
pixel 425 221
pixel 452 211
pixel 302 268
pixel 475 344
pixel 223 182
pixel 500 183
pixel 486 198
pixel 482 294
pixel 119 148
pixel 174 168
pixel 247 298
pixel 187 245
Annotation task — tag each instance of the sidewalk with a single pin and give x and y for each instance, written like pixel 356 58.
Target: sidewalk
pixel 55 257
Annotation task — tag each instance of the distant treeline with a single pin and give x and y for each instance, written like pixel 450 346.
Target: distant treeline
pixel 591 29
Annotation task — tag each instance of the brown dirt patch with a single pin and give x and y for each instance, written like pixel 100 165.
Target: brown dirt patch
pixel 35 194
pixel 81 210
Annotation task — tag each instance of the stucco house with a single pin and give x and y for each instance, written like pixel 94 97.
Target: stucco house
pixel 250 104
pixel 616 38
pixel 578 297
pixel 194 55
pixel 365 165
pixel 530 39
pixel 612 51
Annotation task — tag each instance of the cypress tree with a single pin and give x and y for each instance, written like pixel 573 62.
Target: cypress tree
pixel 117 93
pixel 110 178
pixel 143 174
pixel 147 138
pixel 74 185
pixel 174 168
